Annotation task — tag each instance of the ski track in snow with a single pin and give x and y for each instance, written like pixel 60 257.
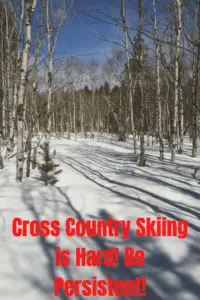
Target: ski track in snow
pixel 101 180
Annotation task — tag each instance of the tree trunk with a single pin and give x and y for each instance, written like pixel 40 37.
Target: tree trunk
pixel 196 90
pixel 159 120
pixel 176 79
pixel 81 113
pixel 21 92
pixel 130 81
pixel 74 113
pixel 181 122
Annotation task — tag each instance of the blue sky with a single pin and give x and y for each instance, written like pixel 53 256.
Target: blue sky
pixel 81 34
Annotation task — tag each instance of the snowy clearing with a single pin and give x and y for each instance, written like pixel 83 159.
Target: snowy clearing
pixel 101 180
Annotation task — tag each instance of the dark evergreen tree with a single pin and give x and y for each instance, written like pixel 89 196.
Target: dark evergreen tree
pixel 48 168
pixel 106 88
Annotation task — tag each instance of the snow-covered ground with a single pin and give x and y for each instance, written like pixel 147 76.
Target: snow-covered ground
pixel 100 179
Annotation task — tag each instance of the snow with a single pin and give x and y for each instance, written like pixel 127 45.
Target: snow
pixel 100 179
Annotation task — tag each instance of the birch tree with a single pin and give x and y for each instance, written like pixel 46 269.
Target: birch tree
pixel 178 26
pixel 29 11
pixel 158 96
pixel 93 73
pixel 17 77
pixel 139 56
pixel 31 112
pixel 131 86
pixel 54 22
pixel 196 79
pixel 8 36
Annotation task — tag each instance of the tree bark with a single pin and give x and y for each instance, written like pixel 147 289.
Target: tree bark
pixel 130 80
pixel 30 9
pixel 176 79
pixel 159 120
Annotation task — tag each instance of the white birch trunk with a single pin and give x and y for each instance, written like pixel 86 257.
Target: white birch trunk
pixel 196 90
pixel 21 92
pixel 17 80
pixel 81 113
pixel 176 79
pixel 181 122
pixel 158 84
pixel 130 81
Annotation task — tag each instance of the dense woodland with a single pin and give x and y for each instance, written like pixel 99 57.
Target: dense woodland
pixel 148 86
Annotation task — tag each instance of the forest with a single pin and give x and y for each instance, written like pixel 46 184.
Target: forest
pixel 99 122
pixel 148 86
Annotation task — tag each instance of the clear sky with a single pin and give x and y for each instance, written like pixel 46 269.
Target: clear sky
pixel 82 34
